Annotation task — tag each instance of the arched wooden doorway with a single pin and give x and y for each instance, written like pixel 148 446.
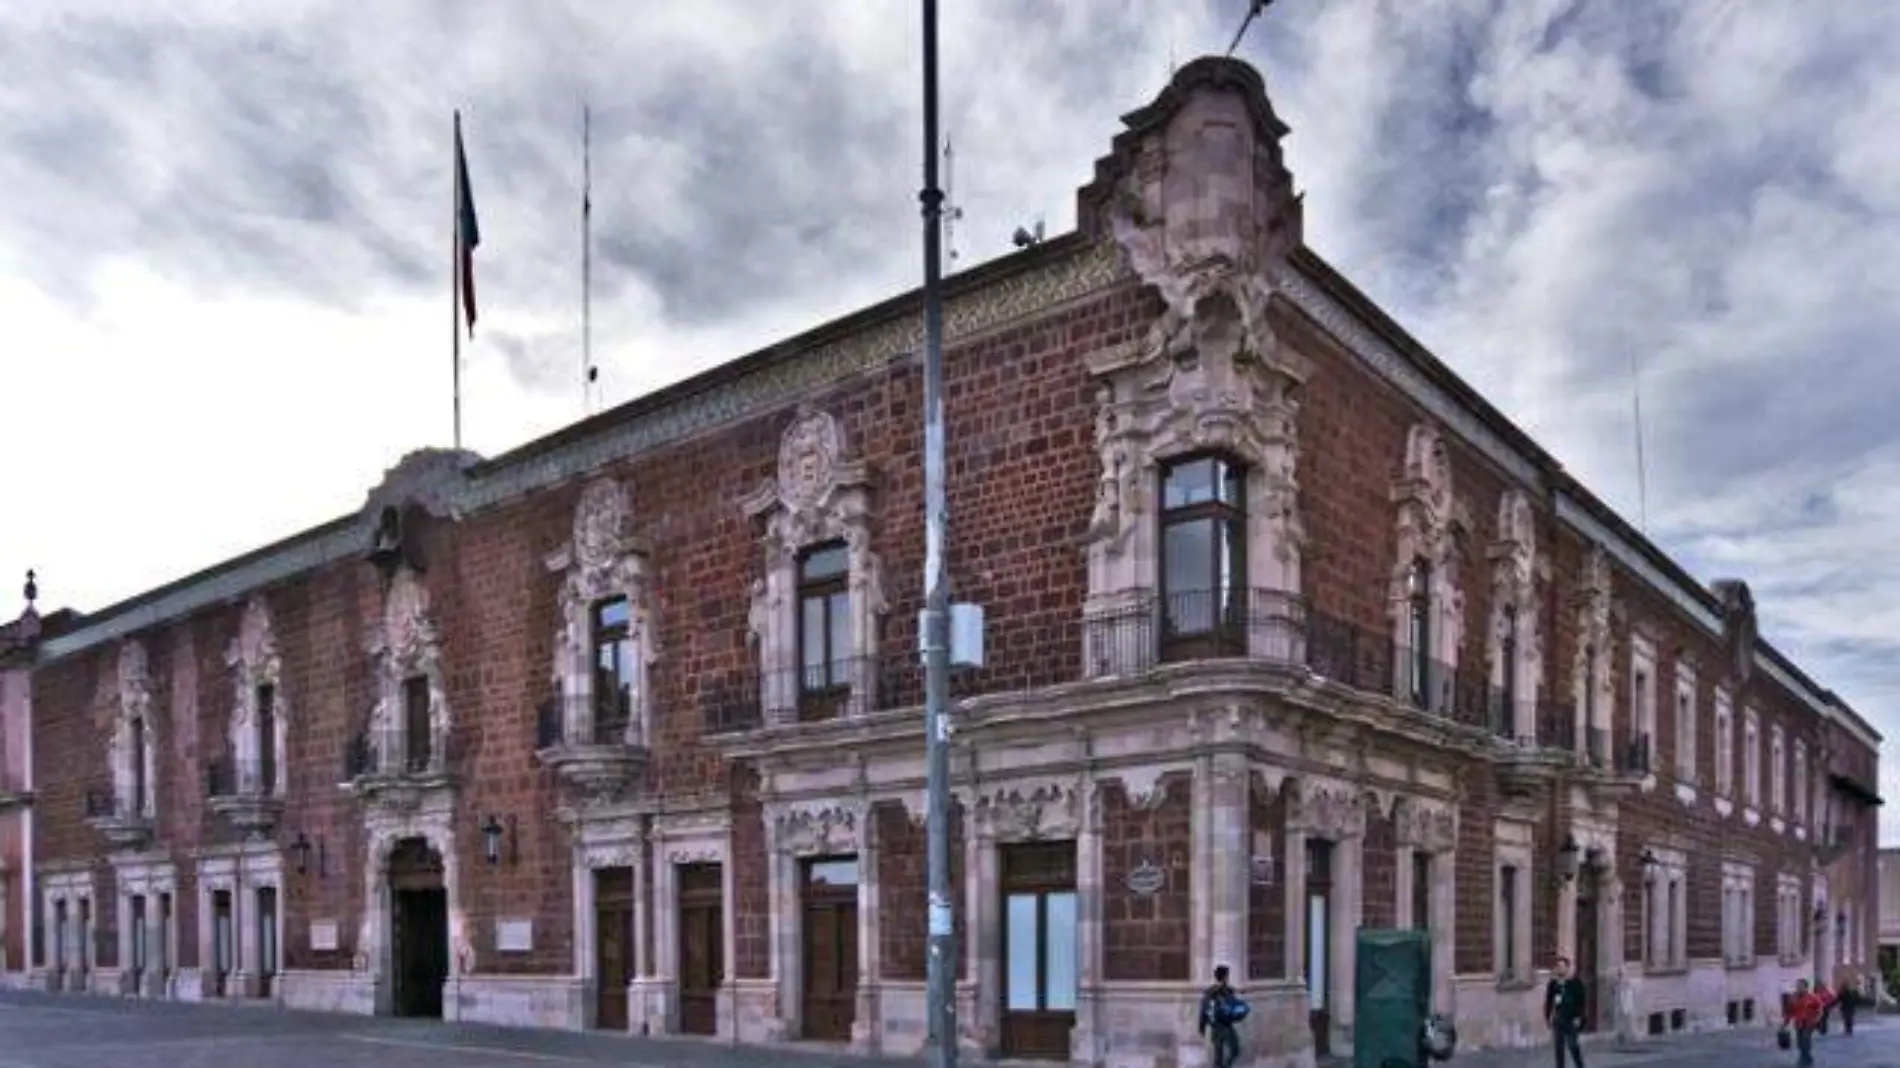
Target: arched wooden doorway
pixel 419 929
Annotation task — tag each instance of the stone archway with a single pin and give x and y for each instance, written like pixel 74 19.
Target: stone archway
pixel 418 928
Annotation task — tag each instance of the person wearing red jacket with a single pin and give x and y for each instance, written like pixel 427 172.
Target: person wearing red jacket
pixel 1804 1015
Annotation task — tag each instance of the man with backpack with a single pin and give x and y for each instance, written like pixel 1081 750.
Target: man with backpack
pixel 1221 1010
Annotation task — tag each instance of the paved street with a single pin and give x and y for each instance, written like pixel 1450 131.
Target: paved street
pixel 42 1031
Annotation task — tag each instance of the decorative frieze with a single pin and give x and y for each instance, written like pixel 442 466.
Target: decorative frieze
pixel 819 828
pixel 1025 812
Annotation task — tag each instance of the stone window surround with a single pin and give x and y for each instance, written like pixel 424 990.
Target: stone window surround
pixel 433 821
pixel 1429 527
pixel 136 704
pixel 407 644
pixel 255 662
pixel 1724 744
pixel 243 871
pixel 1593 683
pixel 1514 578
pixel 1666 925
pixel 1789 916
pixel 602 560
pixel 1210 376
pixel 1738 914
pixel 1686 721
pixel 72 887
pixel 1514 848
pixel 1643 703
pixel 1777 769
pixel 799 830
pixel 1801 793
pixel 150 876
pixel 1751 759
pixel 818 497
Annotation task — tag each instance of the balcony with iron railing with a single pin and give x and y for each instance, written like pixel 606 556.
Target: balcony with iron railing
pixel 381 771
pixel 244 793
pixel 1148 638
pixel 592 741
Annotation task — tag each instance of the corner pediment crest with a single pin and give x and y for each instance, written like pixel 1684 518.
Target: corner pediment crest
pixel 817 485
pixel 603 556
pixel 253 652
pixel 408 633
pixel 134 681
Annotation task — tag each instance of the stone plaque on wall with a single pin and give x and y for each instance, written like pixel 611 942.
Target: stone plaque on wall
pixel 323 936
pixel 514 936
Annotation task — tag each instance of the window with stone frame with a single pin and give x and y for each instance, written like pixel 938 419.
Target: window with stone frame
pixel 1591 672
pixel 1665 911
pixel 1800 789
pixel 604 643
pixel 1738 914
pixel 824 631
pixel 1515 648
pixel 1203 557
pixel 1422 890
pixel 1643 700
pixel 1777 770
pixel 259 717
pixel 816 518
pixel 1751 759
pixel 614 670
pixel 134 742
pixel 1513 885
pixel 417 736
pixel 410 723
pixel 1788 918
pixel 1427 605
pixel 1686 769
pixel 1724 744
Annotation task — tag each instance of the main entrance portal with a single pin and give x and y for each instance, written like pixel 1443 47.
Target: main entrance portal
pixel 419 929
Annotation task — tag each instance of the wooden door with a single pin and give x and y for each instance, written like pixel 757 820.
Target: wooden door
pixel 1039 949
pixel 613 946
pixel 419 914
pixel 702 946
pixel 830 1000
pixel 1320 980
pixel 1588 947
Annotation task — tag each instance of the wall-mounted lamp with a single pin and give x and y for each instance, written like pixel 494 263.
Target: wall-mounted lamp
pixel 1650 863
pixel 491 840
pixel 1819 918
pixel 1569 860
pixel 301 847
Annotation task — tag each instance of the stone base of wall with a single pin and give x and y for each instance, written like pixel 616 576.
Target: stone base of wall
pixel 1491 1016
pixel 329 991
pixel 517 1000
pixel 188 985
pixel 756 1011
pixel 16 981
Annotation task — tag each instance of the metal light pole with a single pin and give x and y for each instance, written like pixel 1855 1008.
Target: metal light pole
pixel 936 618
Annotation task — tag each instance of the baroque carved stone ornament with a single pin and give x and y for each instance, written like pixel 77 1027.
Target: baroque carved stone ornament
pixel 1426 826
pixel 1043 812
pixel 1328 810
pixel 823 829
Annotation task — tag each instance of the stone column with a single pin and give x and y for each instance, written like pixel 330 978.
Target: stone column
pixel 983 938
pixel 652 989
pixel 1090 898
pixel 122 908
pixel 784 924
pixel 1295 876
pixel 1348 912
pixel 1227 843
pixel 866 1027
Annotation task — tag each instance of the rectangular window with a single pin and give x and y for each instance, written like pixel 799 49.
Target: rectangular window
pixel 418 738
pixel 137 730
pixel 1421 890
pixel 1203 558
pixel 267 739
pixel 1685 725
pixel 1801 782
pixel 1751 759
pixel 1777 770
pixel 613 670
pixel 1508 950
pixel 1676 936
pixel 824 630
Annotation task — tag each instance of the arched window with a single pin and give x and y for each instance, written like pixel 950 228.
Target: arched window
pixel 1204 558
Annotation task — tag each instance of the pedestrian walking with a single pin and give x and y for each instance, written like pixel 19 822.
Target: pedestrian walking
pixel 1563 1011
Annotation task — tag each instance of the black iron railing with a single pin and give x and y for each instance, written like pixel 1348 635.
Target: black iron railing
pixel 600 719
pixel 359 757
pixel 1146 633
pixel 102 804
pixel 221 777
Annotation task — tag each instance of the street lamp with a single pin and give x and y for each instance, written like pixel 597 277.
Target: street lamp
pixel 1569 860
pixel 491 839
pixel 301 847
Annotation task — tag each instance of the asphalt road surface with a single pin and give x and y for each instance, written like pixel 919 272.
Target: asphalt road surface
pixel 53 1031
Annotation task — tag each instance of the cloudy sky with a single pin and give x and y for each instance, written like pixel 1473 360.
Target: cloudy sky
pixel 224 242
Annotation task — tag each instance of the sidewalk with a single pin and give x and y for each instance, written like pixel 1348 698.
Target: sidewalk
pixel 1742 1041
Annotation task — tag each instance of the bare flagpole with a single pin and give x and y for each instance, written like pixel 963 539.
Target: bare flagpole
pixel 455 271
pixel 587 259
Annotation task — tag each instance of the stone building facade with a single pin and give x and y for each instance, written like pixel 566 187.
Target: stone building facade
pixel 1287 633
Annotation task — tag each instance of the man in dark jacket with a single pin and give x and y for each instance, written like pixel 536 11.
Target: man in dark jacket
pixel 1215 1017
pixel 1563 1011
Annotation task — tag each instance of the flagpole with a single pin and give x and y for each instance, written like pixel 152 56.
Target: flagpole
pixel 455 274
pixel 587 258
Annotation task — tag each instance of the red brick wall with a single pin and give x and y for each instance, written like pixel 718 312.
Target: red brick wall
pixel 1380 886
pixel 903 874
pixel 1266 905
pixel 1147 937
